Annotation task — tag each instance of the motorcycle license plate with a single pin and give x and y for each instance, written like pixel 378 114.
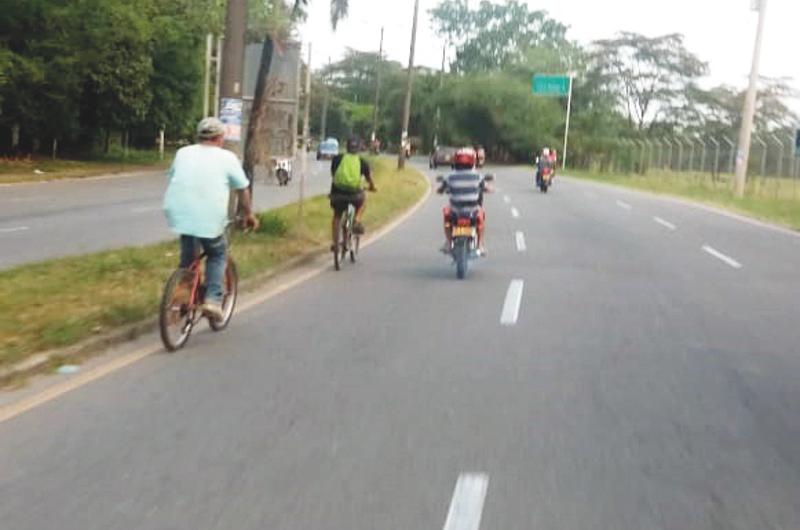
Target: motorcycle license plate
pixel 460 231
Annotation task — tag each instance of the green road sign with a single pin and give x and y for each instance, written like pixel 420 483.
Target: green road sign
pixel 551 85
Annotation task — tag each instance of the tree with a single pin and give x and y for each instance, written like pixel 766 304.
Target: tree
pixel 496 36
pixel 644 75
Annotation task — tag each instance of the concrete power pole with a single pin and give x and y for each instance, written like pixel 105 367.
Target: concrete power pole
pixel 306 134
pixel 378 68
pixel 401 159
pixel 743 153
pixel 438 108
pixel 323 127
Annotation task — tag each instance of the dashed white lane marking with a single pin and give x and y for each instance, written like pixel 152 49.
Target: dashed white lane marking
pixel 145 209
pixel 512 303
pixel 514 213
pixel 13 229
pixel 520 237
pixel 665 224
pixel 466 506
pixel 719 255
pixel 624 205
pixel 506 199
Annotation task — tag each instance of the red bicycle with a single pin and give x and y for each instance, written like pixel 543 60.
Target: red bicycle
pixel 183 298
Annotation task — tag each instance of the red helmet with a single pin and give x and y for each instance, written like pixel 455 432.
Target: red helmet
pixel 465 158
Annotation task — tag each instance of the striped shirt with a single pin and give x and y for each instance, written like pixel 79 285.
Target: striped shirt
pixel 466 190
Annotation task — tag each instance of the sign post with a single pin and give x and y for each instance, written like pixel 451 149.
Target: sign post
pixel 556 86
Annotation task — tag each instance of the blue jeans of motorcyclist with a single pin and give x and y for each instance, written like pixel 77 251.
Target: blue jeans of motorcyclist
pixel 216 257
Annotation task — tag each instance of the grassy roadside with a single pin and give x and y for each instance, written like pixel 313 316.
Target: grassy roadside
pixel 44 169
pixel 59 303
pixel 774 200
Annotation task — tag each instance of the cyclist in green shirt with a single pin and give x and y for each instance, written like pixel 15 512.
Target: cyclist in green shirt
pixel 347 188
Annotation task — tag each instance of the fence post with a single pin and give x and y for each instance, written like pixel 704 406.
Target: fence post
pixel 715 167
pixel 669 151
pixel 731 160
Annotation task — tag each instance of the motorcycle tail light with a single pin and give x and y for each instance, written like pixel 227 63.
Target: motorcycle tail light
pixel 464 222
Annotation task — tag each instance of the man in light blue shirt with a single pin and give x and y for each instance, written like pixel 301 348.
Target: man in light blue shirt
pixel 196 204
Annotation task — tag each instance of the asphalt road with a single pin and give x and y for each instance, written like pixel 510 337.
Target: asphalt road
pixel 647 378
pixel 55 219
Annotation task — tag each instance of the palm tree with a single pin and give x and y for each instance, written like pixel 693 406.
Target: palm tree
pixel 339 9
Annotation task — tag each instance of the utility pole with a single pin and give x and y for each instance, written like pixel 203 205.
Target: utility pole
pixel 566 128
pixel 323 128
pixel 438 108
pixel 207 77
pixel 743 154
pixel 401 159
pixel 306 134
pixel 378 67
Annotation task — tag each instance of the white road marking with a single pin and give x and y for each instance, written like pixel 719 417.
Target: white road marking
pixel 624 205
pixel 506 199
pixel 13 229
pixel 512 304
pixel 665 224
pixel 719 255
pixel 466 507
pixel 145 209
pixel 521 242
pixel 514 213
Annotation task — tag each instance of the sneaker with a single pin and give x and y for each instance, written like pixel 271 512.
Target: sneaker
pixel 482 252
pixel 213 310
pixel 358 229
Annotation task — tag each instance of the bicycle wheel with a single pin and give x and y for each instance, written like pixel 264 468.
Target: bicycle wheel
pixel 177 311
pixel 346 231
pixel 229 298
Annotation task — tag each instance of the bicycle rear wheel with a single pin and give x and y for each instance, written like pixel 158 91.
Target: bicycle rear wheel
pixel 336 255
pixel 229 298
pixel 176 315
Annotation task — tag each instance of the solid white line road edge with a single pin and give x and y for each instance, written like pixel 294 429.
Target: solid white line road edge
pixel 50 393
pixel 512 303
pixel 514 213
pixel 624 205
pixel 520 237
pixel 665 223
pixel 466 506
pixel 719 255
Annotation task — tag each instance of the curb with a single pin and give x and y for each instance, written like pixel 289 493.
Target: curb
pixel 97 345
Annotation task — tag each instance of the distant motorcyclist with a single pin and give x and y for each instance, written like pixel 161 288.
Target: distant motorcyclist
pixel 465 187
pixel 544 161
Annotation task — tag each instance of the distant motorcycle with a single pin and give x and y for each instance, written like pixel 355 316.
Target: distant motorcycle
pixel 282 169
pixel 545 178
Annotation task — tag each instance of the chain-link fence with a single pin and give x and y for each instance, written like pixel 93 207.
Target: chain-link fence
pixel 773 161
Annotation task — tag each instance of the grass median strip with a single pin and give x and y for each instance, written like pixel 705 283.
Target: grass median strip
pixel 59 303
pixel 13 171
pixel 773 199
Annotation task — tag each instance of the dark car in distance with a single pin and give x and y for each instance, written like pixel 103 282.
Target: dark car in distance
pixel 442 156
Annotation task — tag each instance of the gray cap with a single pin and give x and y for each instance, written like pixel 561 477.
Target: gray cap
pixel 210 128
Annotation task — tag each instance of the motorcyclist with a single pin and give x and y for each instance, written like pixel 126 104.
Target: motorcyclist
pixel 544 161
pixel 466 188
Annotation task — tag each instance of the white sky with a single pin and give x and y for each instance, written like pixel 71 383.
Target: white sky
pixel 720 32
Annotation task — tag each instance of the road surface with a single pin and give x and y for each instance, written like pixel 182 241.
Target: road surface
pixel 61 218
pixel 618 362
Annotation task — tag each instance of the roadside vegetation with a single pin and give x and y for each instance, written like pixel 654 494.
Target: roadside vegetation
pixel 58 303
pixel 38 169
pixel 772 199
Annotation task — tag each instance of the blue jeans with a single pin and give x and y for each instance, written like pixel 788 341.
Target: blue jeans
pixel 216 257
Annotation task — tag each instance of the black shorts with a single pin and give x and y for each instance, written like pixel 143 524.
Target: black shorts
pixel 340 199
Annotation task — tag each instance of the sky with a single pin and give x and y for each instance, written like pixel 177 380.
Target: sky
pixel 720 32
